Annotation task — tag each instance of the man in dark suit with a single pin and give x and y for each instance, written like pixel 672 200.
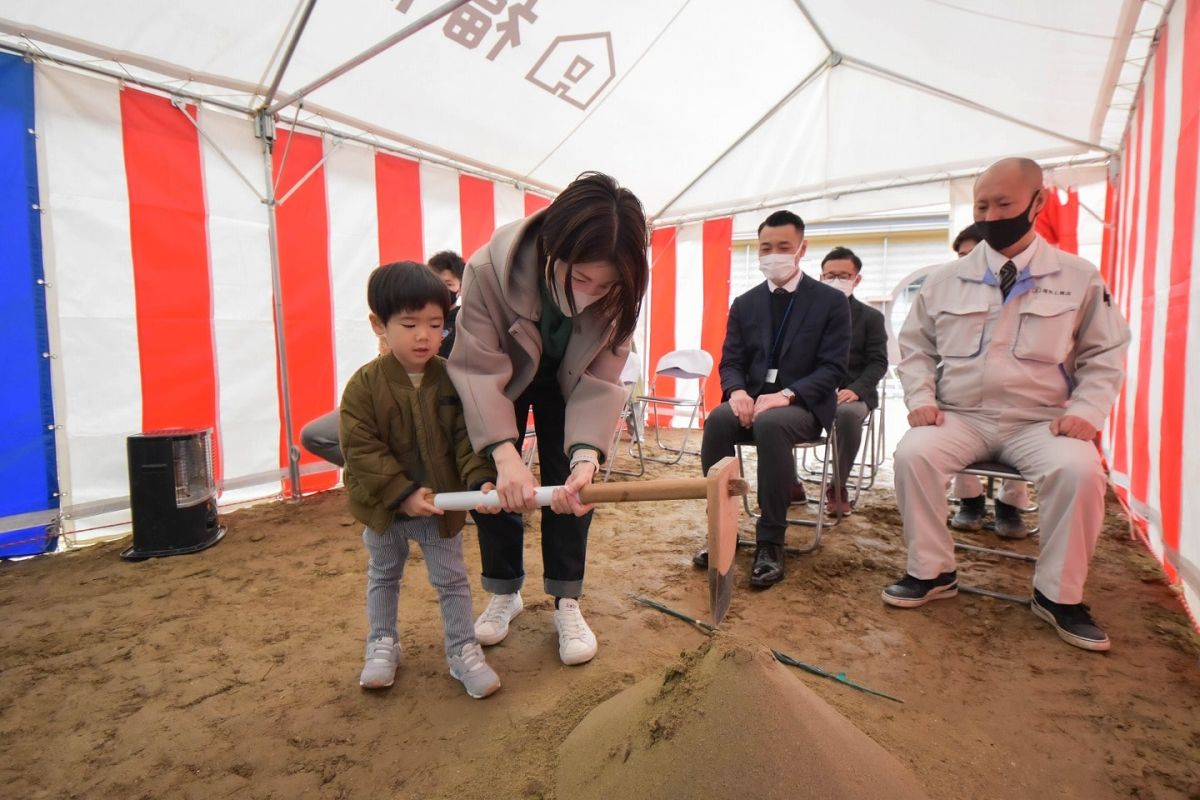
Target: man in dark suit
pixel 857 393
pixel 784 357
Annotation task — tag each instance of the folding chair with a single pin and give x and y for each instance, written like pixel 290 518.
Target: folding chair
pixel 993 471
pixel 684 365
pixel 629 421
pixel 829 460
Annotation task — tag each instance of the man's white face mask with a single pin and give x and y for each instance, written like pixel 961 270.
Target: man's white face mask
pixel 843 285
pixel 582 299
pixel 777 267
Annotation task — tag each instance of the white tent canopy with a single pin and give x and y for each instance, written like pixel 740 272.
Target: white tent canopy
pixel 702 107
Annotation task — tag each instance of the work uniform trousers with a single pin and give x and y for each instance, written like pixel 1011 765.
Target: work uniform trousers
pixel 1066 472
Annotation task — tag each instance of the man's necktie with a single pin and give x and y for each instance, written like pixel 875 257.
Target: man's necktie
pixel 1008 276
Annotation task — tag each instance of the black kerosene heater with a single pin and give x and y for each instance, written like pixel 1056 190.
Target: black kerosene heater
pixel 172 493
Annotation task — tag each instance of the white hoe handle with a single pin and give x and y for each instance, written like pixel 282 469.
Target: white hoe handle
pixel 465 501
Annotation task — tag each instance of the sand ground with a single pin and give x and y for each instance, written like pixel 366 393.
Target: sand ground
pixel 233 672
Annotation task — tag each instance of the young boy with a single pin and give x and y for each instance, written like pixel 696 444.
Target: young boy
pixel 404 437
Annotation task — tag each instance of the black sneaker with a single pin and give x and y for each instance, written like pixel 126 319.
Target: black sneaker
pixel 969 516
pixel 1009 524
pixel 1073 622
pixel 910 592
pixel 701 559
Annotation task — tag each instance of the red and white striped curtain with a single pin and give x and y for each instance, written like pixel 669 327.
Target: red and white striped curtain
pixel 688 304
pixel 157 253
pixel 1153 441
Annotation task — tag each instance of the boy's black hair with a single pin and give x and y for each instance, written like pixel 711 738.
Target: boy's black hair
pixel 781 218
pixel 843 254
pixel 969 233
pixel 405 286
pixel 448 260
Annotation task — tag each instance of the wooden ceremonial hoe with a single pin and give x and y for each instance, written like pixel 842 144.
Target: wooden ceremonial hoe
pixel 721 488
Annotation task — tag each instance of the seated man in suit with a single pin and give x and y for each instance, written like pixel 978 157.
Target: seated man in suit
pixel 858 394
pixel 1032 355
pixel 784 357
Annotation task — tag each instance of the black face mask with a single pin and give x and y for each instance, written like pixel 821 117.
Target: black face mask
pixel 1004 233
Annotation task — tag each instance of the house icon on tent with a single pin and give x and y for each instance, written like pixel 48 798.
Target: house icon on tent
pixel 576 68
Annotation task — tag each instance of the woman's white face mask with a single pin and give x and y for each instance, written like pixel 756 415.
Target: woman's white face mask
pixel 582 298
pixel 777 267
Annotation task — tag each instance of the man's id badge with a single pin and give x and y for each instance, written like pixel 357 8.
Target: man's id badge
pixel 772 374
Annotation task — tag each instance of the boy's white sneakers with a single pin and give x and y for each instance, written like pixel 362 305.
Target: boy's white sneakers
pixel 379 668
pixel 576 642
pixel 471 668
pixel 492 625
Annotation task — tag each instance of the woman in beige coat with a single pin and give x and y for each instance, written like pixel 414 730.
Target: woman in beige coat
pixel 548 310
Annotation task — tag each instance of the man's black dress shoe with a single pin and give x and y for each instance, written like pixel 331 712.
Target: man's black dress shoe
pixel 768 565
pixel 701 559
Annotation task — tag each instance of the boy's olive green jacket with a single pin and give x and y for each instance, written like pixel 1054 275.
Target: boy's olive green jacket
pixel 397 439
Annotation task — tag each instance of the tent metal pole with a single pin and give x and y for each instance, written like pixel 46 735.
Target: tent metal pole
pixel 866 66
pixel 395 143
pixel 1116 60
pixel 287 54
pixel 121 77
pixel 797 89
pixel 369 53
pixel 1141 80
pixel 783 200
pixel 816 28
pixel 265 128
pixel 179 106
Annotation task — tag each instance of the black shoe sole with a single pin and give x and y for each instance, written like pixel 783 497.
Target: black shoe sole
pixel 760 583
pixel 936 593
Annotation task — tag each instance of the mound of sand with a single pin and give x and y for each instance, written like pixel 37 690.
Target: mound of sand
pixel 726 721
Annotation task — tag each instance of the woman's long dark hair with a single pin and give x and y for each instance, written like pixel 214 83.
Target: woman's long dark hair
pixel 595 219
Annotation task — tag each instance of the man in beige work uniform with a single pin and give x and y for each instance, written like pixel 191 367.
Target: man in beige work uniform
pixel 1032 356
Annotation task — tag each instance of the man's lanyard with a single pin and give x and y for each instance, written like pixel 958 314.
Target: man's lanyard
pixel 779 333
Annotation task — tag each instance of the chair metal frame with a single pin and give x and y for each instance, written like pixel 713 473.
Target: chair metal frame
pixel 629 421
pixel 993 471
pixel 829 459
pixel 669 366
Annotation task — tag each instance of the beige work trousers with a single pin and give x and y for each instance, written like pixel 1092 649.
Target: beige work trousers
pixel 1066 472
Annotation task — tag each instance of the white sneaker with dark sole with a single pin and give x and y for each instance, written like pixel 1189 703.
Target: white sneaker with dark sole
pixel 492 625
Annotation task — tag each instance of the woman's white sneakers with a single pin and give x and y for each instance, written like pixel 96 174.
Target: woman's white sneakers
pixel 576 642
pixel 492 625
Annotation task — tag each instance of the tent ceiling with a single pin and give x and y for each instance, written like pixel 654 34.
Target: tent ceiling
pixel 708 105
